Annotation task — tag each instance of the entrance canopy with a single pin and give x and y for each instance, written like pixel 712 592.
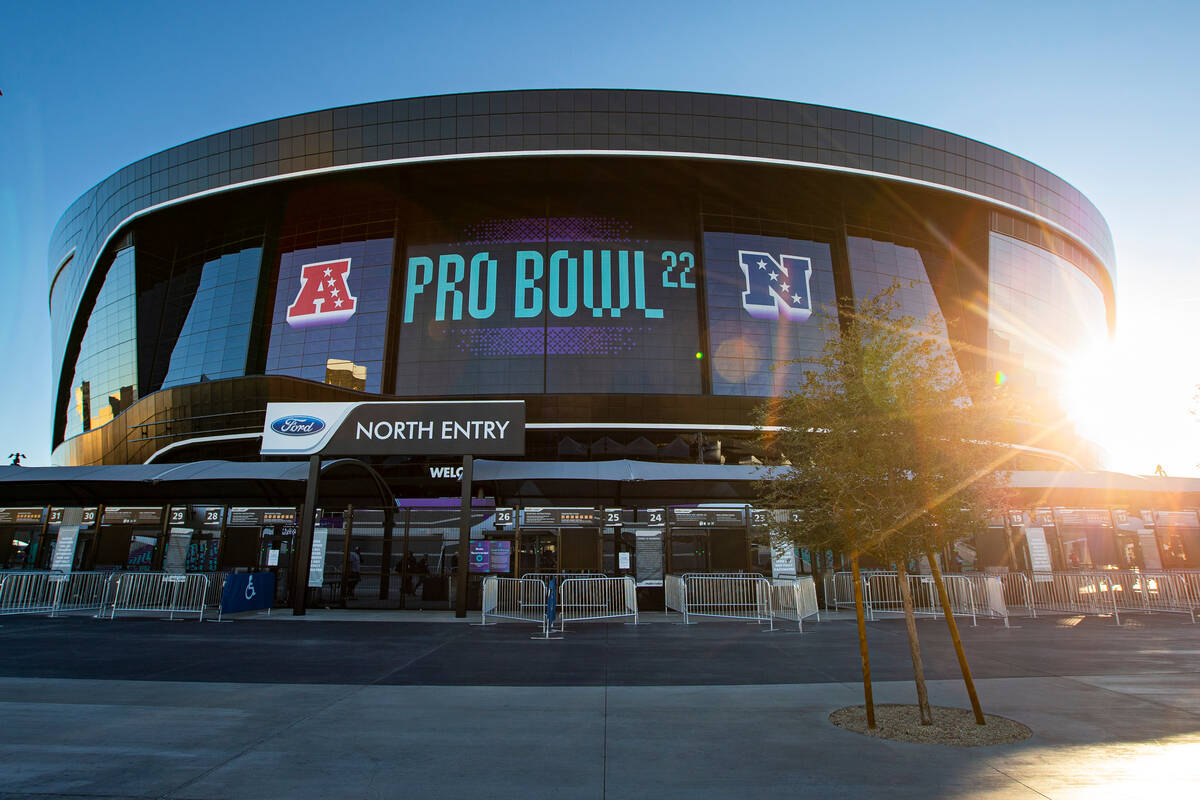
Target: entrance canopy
pixel 621 470
pixel 343 482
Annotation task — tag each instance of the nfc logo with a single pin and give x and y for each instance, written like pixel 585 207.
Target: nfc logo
pixel 776 287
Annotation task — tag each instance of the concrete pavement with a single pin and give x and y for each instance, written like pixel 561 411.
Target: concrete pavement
pixel 610 712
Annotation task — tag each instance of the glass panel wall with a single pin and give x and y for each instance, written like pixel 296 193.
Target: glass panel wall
pixel 195 313
pixel 1043 314
pixel 105 381
pixel 876 265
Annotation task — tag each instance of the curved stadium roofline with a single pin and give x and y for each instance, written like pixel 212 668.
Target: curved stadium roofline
pixel 1094 235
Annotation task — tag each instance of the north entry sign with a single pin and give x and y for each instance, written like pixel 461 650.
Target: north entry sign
pixel 421 428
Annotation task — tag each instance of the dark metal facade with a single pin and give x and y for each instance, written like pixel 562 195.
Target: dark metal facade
pixel 215 218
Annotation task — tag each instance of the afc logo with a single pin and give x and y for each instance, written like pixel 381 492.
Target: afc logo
pixel 324 298
pixel 776 287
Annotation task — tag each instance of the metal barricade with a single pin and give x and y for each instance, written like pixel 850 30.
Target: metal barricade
pixel 881 595
pixel 1164 592
pixel 1075 593
pixel 160 591
pixel 596 598
pixel 216 586
pixel 1018 591
pixel 83 591
pixel 522 599
pixel 839 587
pixel 674 593
pixel 744 597
pixel 795 599
pixel 1190 580
pixel 29 592
pixel 545 577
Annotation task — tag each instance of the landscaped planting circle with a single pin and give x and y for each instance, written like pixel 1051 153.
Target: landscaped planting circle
pixel 951 726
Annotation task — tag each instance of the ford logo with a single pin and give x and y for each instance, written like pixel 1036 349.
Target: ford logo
pixel 298 425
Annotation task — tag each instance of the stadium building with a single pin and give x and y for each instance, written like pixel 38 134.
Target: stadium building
pixel 633 265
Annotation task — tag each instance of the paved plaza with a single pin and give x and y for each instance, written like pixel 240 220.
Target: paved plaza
pixel 381 706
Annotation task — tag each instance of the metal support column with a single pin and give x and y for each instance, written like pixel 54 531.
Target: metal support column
pixel 347 530
pixel 464 541
pixel 385 565
pixel 302 555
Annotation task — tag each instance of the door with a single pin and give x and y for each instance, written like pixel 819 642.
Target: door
pixel 727 550
pixel 537 551
pixel 579 550
pixel 689 552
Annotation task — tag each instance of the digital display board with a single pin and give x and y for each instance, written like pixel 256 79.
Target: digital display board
pixel 330 311
pixel 491 555
pixel 708 517
pixel 563 517
pixel 767 297
pixel 255 517
pixel 17 516
pixel 551 304
pixel 141 515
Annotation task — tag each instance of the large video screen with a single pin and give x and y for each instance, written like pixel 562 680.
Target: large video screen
pixel 330 313
pixel 767 297
pixel 581 304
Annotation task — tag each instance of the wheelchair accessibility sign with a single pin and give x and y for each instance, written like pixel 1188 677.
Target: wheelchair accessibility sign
pixel 247 591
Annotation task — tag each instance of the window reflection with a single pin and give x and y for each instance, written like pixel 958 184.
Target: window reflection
pixel 211 305
pixel 347 374
pixel 1042 313
pixel 105 381
pixel 876 265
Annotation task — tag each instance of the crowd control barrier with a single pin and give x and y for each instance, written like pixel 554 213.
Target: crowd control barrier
pixel 546 577
pixel 216 587
pixel 1169 592
pixel 522 599
pixel 29 592
pixel 52 592
pixel 159 591
pixel 745 597
pixel 674 593
pixel 591 598
pixel 839 588
pixel 881 595
pixel 795 599
pixel 1075 593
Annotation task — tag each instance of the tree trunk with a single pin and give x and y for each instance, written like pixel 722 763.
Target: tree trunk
pixel 958 648
pixel 914 646
pixel 868 697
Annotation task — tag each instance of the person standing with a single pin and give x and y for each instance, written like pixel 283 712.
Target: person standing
pixel 354 572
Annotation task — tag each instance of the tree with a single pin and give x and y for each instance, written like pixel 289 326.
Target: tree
pixel 894 453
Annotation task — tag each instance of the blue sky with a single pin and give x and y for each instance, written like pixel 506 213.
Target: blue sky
pixel 1104 94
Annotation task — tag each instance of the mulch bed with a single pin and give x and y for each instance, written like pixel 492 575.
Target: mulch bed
pixel 951 726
